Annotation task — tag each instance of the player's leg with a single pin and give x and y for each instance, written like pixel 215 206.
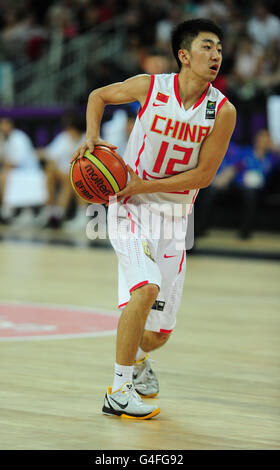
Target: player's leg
pixel 162 318
pixel 132 322
pixel 144 378
pixel 51 181
pixel 152 340
pixel 139 284
pixel 53 213
pixel 122 399
pixel 65 192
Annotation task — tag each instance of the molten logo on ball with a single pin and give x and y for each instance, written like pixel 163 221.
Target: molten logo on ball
pixel 99 182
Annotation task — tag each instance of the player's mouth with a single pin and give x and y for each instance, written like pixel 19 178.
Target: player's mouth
pixel 214 68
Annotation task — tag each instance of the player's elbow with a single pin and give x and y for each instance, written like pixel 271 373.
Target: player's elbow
pixel 206 179
pixel 208 182
pixel 96 96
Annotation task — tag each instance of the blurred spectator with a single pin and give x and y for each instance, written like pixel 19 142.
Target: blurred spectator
pixel 263 27
pixel 22 37
pixel 57 156
pixel 103 73
pixel 246 69
pixel 157 61
pixel 129 60
pixel 269 77
pixel 248 60
pixel 16 152
pixel 61 20
pixel 117 130
pixel 273 113
pixel 214 9
pixel 244 171
pixel 13 35
pixel 165 26
pixel 89 17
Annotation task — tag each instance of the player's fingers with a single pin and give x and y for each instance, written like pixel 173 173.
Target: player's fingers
pixel 74 157
pixel 130 171
pixel 121 194
pixel 79 153
pixel 83 148
pixel 107 144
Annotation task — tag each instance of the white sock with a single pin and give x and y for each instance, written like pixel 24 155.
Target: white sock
pixel 122 375
pixel 140 354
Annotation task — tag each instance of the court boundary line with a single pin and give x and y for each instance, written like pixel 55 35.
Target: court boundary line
pixel 53 337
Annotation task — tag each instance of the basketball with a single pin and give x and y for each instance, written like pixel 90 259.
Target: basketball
pixel 95 177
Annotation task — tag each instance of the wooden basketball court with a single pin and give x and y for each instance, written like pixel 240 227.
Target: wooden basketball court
pixel 219 373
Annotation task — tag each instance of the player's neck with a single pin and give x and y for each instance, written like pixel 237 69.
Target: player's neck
pixel 190 88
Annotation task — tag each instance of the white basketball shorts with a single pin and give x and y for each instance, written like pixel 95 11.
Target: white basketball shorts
pixel 150 249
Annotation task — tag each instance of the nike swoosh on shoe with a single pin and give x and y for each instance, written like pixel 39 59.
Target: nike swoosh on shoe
pixel 120 404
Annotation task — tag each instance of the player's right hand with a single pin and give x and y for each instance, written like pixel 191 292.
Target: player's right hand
pixel 89 144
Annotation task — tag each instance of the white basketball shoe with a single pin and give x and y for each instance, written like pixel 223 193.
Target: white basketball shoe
pixel 126 403
pixel 144 379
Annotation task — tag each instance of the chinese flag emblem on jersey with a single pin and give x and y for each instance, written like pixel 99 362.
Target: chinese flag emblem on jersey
pixel 162 97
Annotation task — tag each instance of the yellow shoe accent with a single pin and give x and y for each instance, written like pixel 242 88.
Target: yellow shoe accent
pixel 149 416
pixel 141 360
pixel 152 395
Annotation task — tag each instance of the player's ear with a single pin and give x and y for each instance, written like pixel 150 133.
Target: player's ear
pixel 184 57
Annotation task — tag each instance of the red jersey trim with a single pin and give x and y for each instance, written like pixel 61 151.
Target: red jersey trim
pixel 176 89
pixel 165 331
pixel 138 285
pixel 202 97
pixel 122 305
pixel 192 203
pixel 181 264
pixel 139 154
pixel 221 104
pixel 141 112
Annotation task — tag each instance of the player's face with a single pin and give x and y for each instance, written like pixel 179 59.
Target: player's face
pixel 5 127
pixel 205 57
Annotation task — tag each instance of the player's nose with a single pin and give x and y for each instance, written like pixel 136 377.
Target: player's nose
pixel 215 55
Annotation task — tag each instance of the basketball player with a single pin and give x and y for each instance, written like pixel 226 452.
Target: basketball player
pixel 179 139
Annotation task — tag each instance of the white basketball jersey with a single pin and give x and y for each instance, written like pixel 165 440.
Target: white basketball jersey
pixel 166 138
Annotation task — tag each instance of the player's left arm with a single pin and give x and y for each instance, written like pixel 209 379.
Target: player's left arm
pixel 211 155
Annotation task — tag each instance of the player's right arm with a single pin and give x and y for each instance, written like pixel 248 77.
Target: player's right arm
pixel 132 89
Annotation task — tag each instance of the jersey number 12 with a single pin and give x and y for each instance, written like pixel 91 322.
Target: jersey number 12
pixel 172 161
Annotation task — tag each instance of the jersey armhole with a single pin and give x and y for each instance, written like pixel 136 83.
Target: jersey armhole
pixel 142 110
pixel 221 104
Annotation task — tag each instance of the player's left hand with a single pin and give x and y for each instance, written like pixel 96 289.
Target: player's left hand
pixel 135 185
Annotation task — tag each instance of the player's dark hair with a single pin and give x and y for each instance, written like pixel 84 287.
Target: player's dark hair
pixel 184 34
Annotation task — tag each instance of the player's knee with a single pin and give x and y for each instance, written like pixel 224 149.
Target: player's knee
pixel 150 292
pixel 147 293
pixel 162 337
